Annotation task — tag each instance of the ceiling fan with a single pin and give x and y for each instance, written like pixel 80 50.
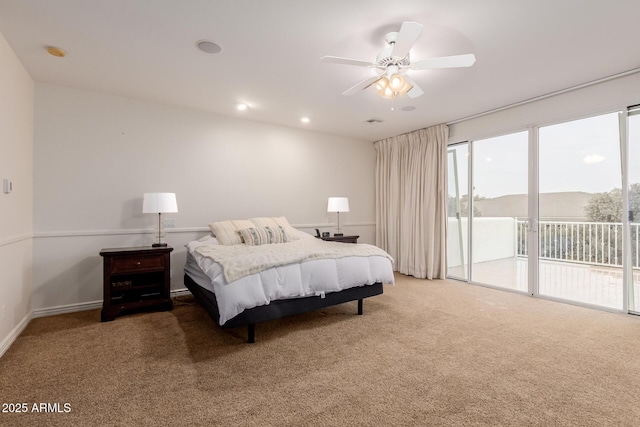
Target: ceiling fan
pixel 392 63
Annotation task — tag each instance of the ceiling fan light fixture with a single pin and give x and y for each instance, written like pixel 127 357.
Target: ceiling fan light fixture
pixel 396 82
pixel 392 87
pixel 382 84
pixel 406 87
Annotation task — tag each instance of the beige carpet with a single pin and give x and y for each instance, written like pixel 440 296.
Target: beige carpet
pixel 424 353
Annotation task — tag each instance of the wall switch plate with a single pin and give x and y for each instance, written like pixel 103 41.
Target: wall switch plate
pixel 169 222
pixel 7 186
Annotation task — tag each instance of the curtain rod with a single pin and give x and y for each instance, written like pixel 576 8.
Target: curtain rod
pixel 548 95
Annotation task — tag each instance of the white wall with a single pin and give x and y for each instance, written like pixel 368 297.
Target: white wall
pixel 95 155
pixel 493 238
pixel 16 164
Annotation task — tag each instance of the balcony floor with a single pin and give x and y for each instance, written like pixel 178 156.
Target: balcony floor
pixel 583 283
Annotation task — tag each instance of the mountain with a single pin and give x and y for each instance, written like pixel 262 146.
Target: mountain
pixel 567 206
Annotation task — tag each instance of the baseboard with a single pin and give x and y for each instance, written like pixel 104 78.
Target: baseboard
pixel 180 292
pixel 72 308
pixel 64 309
pixel 15 333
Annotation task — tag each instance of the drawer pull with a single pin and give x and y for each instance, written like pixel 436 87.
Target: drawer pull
pixel 138 263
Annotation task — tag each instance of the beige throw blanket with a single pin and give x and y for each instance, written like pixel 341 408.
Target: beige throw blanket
pixel 238 261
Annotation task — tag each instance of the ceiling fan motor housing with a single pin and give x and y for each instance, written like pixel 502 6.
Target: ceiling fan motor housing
pixel 385 59
pixel 391 37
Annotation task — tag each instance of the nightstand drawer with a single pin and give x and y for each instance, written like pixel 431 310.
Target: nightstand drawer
pixel 133 264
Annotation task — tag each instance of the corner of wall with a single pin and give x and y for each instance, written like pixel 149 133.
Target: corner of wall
pixel 16 164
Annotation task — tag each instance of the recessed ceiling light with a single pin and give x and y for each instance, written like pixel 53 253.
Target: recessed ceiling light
pixel 305 120
pixel 241 106
pixel 56 51
pixel 209 47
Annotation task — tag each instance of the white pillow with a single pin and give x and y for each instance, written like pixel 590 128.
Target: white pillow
pixel 303 234
pixel 206 240
pixel 209 239
pixel 227 231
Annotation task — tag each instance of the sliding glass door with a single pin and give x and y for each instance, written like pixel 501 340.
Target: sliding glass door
pixel 633 132
pixel 499 211
pixel 580 224
pixel 458 211
pixel 552 211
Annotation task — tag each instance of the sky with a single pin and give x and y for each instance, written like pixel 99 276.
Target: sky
pixel 581 155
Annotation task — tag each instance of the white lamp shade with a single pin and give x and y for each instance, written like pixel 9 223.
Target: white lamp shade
pixel 338 204
pixel 159 203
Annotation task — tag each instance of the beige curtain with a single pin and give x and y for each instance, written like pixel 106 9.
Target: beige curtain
pixel 411 201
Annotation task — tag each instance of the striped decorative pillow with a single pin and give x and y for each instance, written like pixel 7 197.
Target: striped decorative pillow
pixel 227 231
pixel 278 223
pixel 254 236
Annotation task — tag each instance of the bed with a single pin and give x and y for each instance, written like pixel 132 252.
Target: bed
pixel 251 271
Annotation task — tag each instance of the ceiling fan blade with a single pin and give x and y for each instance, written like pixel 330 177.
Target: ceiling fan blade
pixel 346 61
pixel 407 36
pixel 445 62
pixel 415 91
pixel 361 85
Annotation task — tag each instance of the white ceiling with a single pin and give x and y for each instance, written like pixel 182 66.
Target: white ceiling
pixel 271 60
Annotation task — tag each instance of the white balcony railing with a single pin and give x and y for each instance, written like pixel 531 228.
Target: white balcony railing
pixel 596 243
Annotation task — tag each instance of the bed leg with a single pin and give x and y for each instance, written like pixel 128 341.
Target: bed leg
pixel 360 307
pixel 251 333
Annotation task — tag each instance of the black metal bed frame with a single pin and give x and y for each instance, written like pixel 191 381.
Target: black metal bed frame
pixel 279 308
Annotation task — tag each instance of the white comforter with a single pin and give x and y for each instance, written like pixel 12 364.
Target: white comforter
pixel 308 278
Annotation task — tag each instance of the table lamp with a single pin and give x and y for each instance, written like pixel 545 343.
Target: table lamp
pixel 159 203
pixel 338 204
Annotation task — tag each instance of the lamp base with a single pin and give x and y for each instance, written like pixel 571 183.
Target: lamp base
pixel 159 245
pixel 338 234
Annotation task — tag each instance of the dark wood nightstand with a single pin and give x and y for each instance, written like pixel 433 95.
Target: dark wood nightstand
pixel 343 239
pixel 135 279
